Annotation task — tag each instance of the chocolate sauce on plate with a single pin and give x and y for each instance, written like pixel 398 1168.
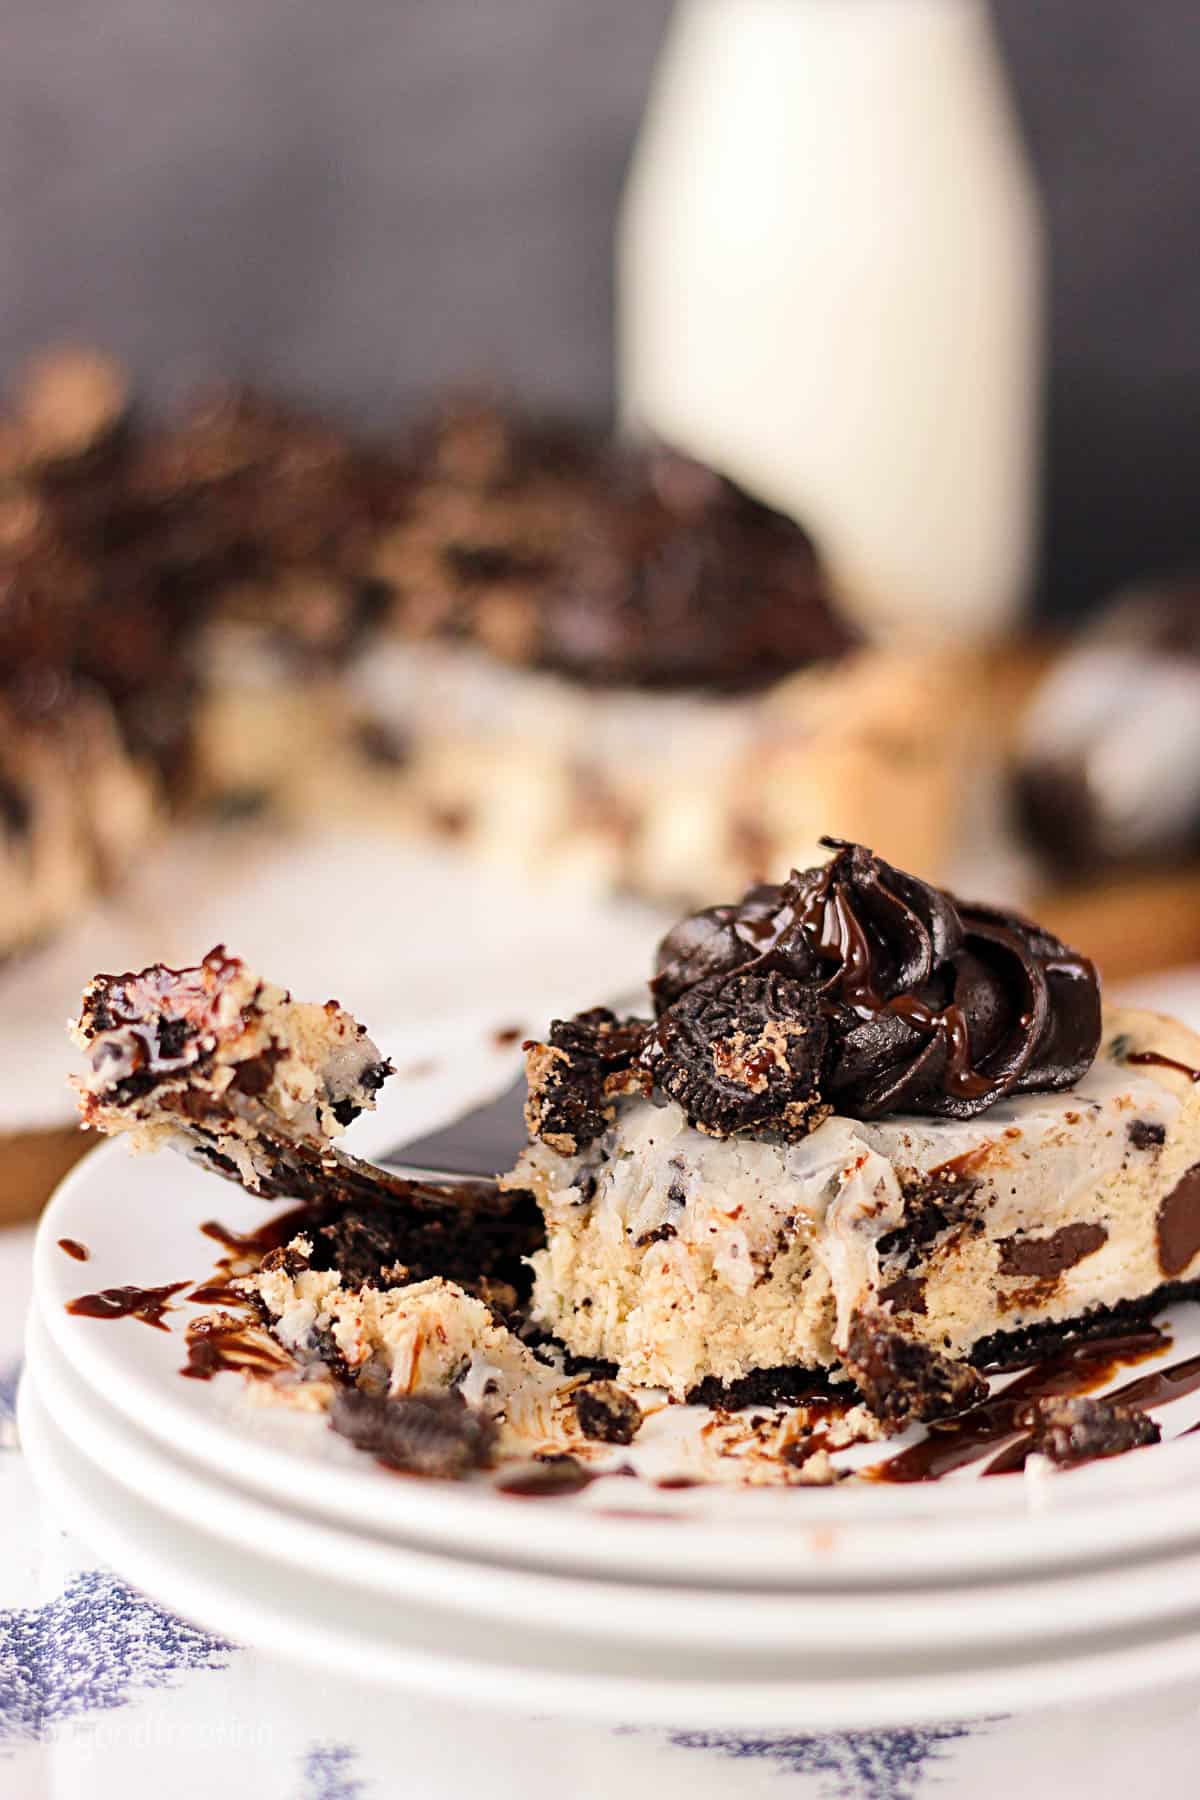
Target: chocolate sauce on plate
pixel 236 1347
pixel 79 1251
pixel 1161 1385
pixel 547 1480
pixel 147 1304
pixel 278 1230
pixel 1078 1369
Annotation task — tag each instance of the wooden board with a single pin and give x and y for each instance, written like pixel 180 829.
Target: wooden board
pixel 1130 924
pixel 32 1163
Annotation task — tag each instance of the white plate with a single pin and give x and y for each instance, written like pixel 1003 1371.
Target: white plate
pixel 140 1215
pixel 321 1625
pixel 140 1218
pixel 964 1618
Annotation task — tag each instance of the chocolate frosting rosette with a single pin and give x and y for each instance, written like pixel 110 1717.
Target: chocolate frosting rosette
pixel 887 996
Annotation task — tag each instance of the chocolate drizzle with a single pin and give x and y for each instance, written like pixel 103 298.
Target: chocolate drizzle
pixel 145 1303
pixel 1153 1058
pixel 1077 1368
pixel 931 1005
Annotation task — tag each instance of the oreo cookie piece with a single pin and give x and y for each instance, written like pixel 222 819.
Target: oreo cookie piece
pixel 607 1413
pixel 743 1052
pixel 902 1379
pixel 575 1076
pixel 436 1435
pixel 1077 1428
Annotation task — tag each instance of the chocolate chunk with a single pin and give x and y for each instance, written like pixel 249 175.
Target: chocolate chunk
pixel 1078 1429
pixel 743 1051
pixel 931 1005
pixel 1046 1257
pixel 905 1295
pixel 574 1076
pixel 16 808
pixel 424 1434
pixel 1179 1224
pixel 383 746
pixel 934 1206
pixel 660 1235
pixel 1146 1135
pixel 903 1379
pixel 607 1413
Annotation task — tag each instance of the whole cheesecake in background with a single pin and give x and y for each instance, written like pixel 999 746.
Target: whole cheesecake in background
pixel 1108 757
pixel 581 659
pixel 635 671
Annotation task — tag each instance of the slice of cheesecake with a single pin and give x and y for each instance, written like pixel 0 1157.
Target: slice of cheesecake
pixel 871 1131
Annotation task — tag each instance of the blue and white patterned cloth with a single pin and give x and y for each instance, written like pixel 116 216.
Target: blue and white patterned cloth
pixel 105 1695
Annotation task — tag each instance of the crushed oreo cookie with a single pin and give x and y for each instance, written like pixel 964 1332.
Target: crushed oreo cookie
pixel 1078 1428
pixel 742 1052
pixel 574 1076
pixel 436 1435
pixel 903 1380
pixel 934 1208
pixel 607 1413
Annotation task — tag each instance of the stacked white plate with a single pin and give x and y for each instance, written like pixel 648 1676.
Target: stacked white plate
pixel 859 1605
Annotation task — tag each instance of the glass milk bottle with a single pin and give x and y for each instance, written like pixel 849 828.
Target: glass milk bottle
pixel 829 263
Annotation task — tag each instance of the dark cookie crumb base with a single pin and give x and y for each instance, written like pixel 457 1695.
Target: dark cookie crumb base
pixel 382 1245
pixel 1002 1351
pixel 547 1348
pixel 786 1384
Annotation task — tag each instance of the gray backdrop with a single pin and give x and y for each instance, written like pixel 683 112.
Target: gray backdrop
pixel 360 198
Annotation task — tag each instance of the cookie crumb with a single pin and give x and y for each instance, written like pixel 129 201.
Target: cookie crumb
pixel 436 1435
pixel 607 1413
pixel 1080 1429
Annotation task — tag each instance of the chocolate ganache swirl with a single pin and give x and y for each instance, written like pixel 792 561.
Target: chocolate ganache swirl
pixel 930 1005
